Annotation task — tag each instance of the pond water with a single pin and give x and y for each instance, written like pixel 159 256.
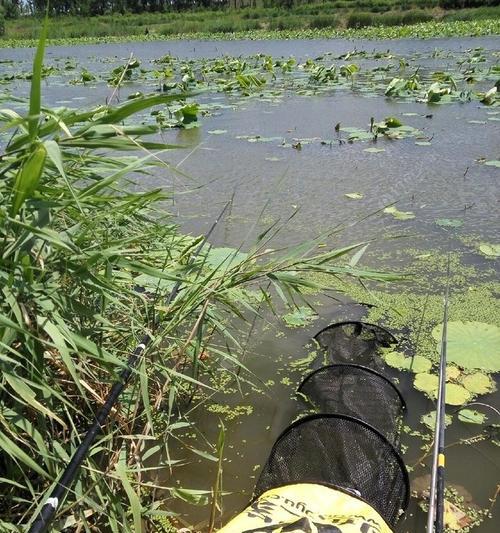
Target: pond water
pixel 278 153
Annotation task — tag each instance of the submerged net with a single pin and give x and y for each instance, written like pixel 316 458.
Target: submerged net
pixel 357 391
pixel 339 451
pixel 354 342
pixel 352 442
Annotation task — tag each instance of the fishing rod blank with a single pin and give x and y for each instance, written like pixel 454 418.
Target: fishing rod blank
pixel 46 514
pixel 435 517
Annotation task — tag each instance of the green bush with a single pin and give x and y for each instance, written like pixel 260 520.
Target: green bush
pixel 461 4
pixel 359 20
pixel 2 21
pixel 222 26
pixel 286 23
pixel 415 16
pixel 480 13
pixel 323 21
pixel 389 19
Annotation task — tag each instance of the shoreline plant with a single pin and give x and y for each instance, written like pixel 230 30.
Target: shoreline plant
pixel 422 30
pixel 86 265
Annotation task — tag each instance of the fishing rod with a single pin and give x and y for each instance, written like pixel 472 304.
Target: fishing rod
pixel 48 511
pixel 435 517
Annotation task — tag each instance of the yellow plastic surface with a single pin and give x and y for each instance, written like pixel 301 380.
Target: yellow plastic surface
pixel 307 508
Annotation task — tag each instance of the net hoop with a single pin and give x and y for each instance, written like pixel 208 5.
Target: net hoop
pixel 359 367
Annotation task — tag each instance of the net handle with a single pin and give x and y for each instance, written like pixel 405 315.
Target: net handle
pixel 360 367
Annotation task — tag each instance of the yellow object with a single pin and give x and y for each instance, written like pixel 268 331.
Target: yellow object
pixel 307 508
pixel 441 460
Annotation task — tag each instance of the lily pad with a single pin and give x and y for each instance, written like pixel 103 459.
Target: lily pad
pixel 449 222
pixel 427 383
pixel 471 416
pixel 399 215
pixel 452 373
pixel 300 317
pixel 478 383
pixel 400 361
pixel 454 394
pixel 472 344
pixel 354 195
pixel 429 420
pixel 491 250
pixel 225 257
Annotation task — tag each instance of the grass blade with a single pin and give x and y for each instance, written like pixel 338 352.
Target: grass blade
pixel 36 83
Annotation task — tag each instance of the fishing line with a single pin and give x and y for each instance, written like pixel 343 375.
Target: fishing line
pixel 48 511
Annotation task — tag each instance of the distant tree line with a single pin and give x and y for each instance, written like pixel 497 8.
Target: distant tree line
pixel 14 8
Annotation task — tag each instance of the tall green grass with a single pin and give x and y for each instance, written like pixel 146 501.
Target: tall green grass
pixel 78 242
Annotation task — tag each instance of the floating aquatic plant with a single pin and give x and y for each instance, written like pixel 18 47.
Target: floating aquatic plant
pixel 490 250
pixel 397 214
pixel 399 360
pixel 471 416
pixel 300 317
pixel 472 344
pixel 428 383
pixel 478 383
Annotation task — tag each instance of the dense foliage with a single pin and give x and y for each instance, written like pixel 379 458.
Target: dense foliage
pixel 100 7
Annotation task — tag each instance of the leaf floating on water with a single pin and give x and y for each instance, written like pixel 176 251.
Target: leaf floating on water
pixel 493 163
pixel 478 383
pixel 402 362
pixel 423 143
pixel 429 420
pixel 399 215
pixel 374 150
pixel 491 250
pixel 471 344
pixel 273 158
pixel 428 383
pixel 449 222
pixel 354 195
pixel 452 373
pixel 217 132
pixel 300 317
pixel 225 257
pixel 471 416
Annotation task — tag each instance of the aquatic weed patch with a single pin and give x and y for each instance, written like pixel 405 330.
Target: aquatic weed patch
pixel 423 30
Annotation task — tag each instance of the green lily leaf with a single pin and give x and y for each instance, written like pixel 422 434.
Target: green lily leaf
pixel 471 344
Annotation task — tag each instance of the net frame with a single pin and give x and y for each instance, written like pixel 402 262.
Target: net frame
pixel 342 388
pixel 289 463
pixel 355 347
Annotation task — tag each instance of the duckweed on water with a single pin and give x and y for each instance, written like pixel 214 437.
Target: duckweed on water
pixel 230 412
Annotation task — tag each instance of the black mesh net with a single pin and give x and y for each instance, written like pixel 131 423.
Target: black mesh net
pixel 339 451
pixel 354 342
pixel 352 442
pixel 357 391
